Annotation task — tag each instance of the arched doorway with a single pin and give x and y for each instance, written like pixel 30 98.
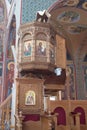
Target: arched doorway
pixel 61 118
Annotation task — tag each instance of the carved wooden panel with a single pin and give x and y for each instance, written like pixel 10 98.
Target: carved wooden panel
pixel 60 52
pixel 36 47
pixel 30 95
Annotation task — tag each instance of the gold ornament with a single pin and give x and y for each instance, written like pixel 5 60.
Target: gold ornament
pixel 72 2
pixel 84 5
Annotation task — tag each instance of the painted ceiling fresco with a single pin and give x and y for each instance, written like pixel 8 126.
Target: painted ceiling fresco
pixel 69 14
pixel 76 29
pixel 81 4
pixel 69 17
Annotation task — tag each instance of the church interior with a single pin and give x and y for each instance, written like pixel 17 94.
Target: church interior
pixel 43 64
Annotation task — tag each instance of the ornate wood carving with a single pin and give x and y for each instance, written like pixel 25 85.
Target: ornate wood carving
pixel 61 52
pixel 37 47
pixel 35 87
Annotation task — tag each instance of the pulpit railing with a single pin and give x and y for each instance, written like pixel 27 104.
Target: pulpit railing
pixel 5 114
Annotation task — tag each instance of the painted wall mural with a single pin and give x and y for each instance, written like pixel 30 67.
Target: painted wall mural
pixel 10 59
pixel 1 66
pixel 76 29
pixel 12 37
pixel 1 44
pixel 68 17
pixel 1 11
pixel 81 4
pixel 1 50
pixel 10 75
pixel 70 85
pixel 1 69
pixel 85 78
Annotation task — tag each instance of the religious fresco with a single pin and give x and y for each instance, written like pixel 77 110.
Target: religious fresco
pixel 76 29
pixel 85 78
pixel 40 48
pixel 10 75
pixel 70 81
pixel 27 48
pixel 1 50
pixel 1 69
pixel 81 4
pixel 10 59
pixel 68 17
pixel 1 44
pixel 1 11
pixel 12 37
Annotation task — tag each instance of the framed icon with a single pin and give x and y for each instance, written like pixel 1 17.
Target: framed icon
pixel 30 98
pixel 27 48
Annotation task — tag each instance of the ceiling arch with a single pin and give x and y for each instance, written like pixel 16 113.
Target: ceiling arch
pixel 70 17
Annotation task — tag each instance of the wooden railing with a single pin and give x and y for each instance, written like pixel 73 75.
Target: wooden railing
pixel 5 114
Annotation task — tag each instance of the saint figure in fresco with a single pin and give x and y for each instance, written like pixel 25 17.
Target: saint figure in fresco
pixel 10 76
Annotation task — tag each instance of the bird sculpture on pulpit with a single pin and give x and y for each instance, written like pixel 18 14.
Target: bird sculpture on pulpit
pixel 43 16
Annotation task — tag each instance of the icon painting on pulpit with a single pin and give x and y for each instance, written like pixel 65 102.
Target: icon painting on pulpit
pixel 30 98
pixel 52 54
pixel 27 48
pixel 41 48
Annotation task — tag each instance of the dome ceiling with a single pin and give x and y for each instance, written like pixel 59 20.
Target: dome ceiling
pixel 70 18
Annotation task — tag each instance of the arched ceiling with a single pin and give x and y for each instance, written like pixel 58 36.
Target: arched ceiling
pixel 70 18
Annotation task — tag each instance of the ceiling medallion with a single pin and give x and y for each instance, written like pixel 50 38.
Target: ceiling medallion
pixel 72 2
pixel 84 5
pixel 69 17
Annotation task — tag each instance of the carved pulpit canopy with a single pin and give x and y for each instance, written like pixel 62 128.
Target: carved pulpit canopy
pixel 37 47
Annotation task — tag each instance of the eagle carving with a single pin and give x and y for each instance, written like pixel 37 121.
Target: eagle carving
pixel 43 16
